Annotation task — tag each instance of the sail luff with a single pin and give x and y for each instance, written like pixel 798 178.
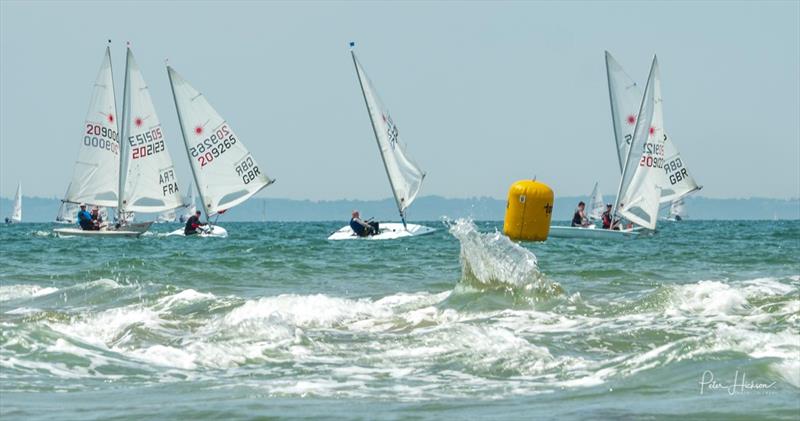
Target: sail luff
pixel 377 139
pixel 613 112
pixel 123 143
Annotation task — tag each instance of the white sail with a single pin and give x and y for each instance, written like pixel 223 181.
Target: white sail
pixel 625 98
pixel 67 213
pixel 677 210
pixel 596 207
pixel 149 181
pixel 225 173
pixel 167 216
pixel 191 207
pixel 405 176
pixel 16 213
pixel 96 172
pixel 643 175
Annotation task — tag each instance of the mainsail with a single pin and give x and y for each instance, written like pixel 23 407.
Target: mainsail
pixel 596 207
pixel 625 98
pixel 148 181
pixel 16 214
pixel 642 174
pixel 225 173
pixel 94 179
pixel 405 177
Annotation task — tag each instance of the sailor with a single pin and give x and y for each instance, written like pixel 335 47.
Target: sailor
pixel 579 218
pixel 96 217
pixel 362 228
pixel 85 219
pixel 607 217
pixel 192 224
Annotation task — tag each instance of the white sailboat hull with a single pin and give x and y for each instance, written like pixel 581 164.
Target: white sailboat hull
pixel 389 231
pixel 132 230
pixel 591 232
pixel 214 231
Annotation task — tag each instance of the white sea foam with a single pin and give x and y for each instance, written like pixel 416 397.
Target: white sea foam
pixel 13 292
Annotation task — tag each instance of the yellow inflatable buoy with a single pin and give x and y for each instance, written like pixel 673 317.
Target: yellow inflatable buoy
pixel 528 211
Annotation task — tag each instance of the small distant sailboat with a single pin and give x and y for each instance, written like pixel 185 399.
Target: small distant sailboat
pixel 640 189
pixel 595 207
pixel 142 177
pixel 677 211
pixel 405 177
pixel 16 213
pixel 224 171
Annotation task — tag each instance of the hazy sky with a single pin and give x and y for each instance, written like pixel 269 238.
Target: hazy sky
pixel 483 93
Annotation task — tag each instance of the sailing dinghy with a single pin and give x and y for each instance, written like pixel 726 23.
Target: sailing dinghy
pixel 642 178
pixel 142 178
pixel 16 213
pixel 405 177
pixel 224 171
pixel 677 211
pixel 624 95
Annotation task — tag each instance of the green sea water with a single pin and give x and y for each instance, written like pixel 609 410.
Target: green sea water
pixel 701 321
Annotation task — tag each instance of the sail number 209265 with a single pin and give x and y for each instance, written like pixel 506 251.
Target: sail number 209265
pixel 210 148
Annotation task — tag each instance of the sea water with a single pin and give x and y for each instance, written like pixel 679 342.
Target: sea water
pixel 700 320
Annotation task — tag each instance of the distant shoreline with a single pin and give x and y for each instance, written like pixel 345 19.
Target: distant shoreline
pixel 433 208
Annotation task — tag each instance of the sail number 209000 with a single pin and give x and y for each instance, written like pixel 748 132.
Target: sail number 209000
pixel 213 146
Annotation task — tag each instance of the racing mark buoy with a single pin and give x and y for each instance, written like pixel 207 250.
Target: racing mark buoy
pixel 528 211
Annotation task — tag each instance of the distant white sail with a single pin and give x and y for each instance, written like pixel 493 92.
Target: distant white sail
pixel 96 173
pixel 405 176
pixel 167 216
pixel 642 174
pixel 596 207
pixel 16 213
pixel 225 172
pixel 150 183
pixel 625 98
pixel 192 203
pixel 677 211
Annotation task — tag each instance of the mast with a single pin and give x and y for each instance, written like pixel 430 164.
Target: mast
pixel 613 117
pixel 377 139
pixel 631 146
pixel 123 150
pixel 186 142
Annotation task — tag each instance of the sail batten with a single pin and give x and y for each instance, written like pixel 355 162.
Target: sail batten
pixel 405 176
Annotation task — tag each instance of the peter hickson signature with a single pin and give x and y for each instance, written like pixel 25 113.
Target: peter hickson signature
pixel 739 385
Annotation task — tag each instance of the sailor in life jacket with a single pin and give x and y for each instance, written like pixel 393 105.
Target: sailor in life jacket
pixel 362 228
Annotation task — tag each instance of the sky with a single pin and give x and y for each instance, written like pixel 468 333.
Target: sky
pixel 483 93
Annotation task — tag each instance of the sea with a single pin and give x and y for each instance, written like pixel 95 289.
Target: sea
pixel 699 321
